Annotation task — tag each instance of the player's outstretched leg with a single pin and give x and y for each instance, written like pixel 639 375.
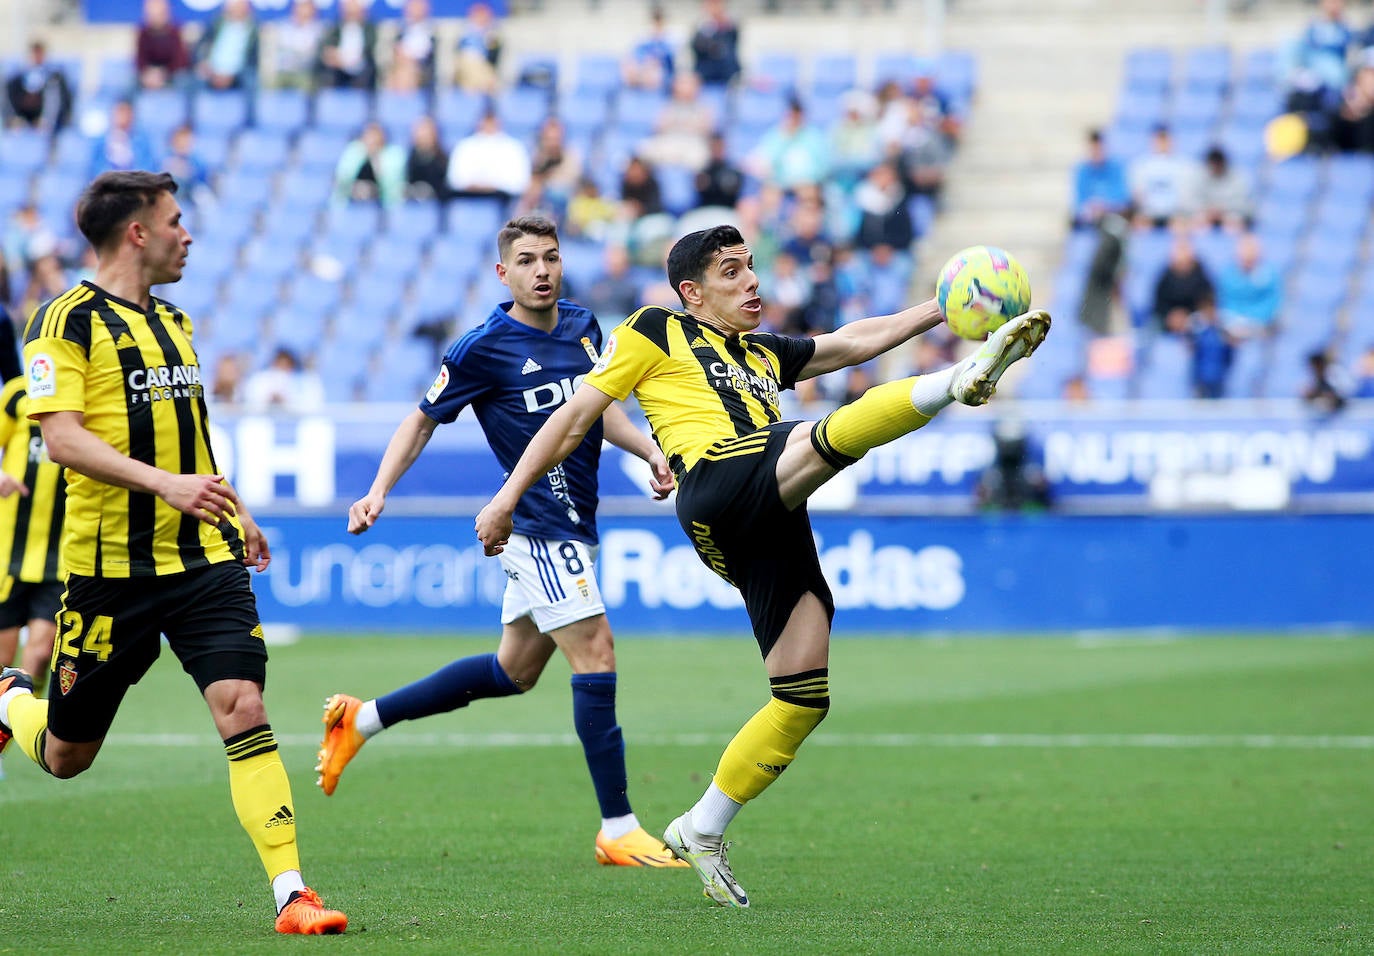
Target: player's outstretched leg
pixel 342 740
pixel 706 857
pixel 304 914
pixel 976 380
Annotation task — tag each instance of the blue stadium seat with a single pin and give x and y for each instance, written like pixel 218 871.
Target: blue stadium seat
pixel 1165 375
pixel 23 151
pixel 1287 374
pixel 1293 180
pixel 398 111
pixel 779 71
pixel 758 109
pixel 227 110
pixel 636 111
pixel 270 259
pixel 1195 106
pixel 301 189
pixel 477 217
pixel 392 261
pixel 341 111
pixel 583 112
pixel 522 110
pixel 1329 253
pixel 375 295
pixel 14 191
pixel 1338 216
pixel 244 189
pixel 460 254
pixel 457 112
pixel 284 112
pixel 310 293
pixel 1125 142
pixel 597 74
pixel 957 72
pixel 1312 302
pixel 158 112
pixel 261 152
pixel 1244 144
pixel 1259 69
pixel 196 294
pixel 1215 250
pixel 317 151
pixel 213 149
pixel 420 219
pixel 361 221
pixel 116 77
pixel 1350 176
pixel 1148 68
pixel 296 228
pixel 1249 368
pixel 1207 68
pixel 1192 137
pixel 54 188
pixel 71 152
pixel 439 290
pixel 1279 215
pixel 900 67
pixel 362 331
pixel 833 73
pixel 1256 105
pixel 1141 109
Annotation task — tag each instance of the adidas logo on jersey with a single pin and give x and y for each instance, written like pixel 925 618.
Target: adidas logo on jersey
pixel 530 366
pixel 699 343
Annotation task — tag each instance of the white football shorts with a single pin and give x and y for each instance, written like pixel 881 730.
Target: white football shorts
pixel 554 582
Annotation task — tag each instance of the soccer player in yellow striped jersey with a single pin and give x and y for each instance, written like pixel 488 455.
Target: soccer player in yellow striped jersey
pixel 33 496
pixel 155 542
pixel 709 384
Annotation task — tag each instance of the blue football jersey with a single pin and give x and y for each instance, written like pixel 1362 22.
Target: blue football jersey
pixel 514 377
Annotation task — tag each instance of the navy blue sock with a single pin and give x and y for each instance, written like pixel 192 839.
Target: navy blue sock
pixel 594 716
pixel 450 687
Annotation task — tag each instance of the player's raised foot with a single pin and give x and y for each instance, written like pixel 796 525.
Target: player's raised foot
pixel 636 848
pixel 341 740
pixel 12 678
pixel 976 381
pixel 304 915
pixel 707 859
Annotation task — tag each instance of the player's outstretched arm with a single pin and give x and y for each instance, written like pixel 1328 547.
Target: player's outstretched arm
pixel 554 441
pixel 409 439
pixel 866 339
pixel 622 433
pixel 205 497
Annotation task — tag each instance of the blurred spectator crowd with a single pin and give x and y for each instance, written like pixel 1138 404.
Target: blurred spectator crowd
pixel 1220 241
pixel 344 179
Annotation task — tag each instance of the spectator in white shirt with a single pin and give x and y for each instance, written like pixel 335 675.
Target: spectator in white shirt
pixel 490 162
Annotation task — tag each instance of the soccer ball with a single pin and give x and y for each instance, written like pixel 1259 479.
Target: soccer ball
pixel 980 288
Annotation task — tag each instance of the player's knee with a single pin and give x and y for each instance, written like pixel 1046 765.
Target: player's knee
pixel 65 764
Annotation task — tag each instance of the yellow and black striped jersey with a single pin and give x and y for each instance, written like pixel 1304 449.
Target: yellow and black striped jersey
pixel 134 377
pixel 695 385
pixel 30 525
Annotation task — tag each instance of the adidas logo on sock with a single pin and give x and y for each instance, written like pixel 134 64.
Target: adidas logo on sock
pixel 282 818
pixel 530 366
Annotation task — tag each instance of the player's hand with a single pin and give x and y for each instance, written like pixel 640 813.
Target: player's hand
pixel 364 512
pixel 661 482
pixel 207 498
pixel 493 528
pixel 9 485
pixel 256 553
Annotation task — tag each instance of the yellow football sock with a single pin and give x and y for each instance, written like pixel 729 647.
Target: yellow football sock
pixel 882 414
pixel 767 744
pixel 29 721
pixel 262 798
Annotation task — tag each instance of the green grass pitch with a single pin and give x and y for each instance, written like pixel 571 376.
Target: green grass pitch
pixel 987 795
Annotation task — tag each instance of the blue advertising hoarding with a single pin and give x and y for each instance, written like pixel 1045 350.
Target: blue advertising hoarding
pixel 1103 460
pixel 907 576
pixel 183 11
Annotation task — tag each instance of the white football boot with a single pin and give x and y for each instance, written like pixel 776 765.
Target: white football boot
pixel 976 380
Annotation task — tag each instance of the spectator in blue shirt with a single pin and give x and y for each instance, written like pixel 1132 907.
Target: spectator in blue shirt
pixel 1250 291
pixel 1212 348
pixel 123 146
pixel 651 63
pixel 1099 184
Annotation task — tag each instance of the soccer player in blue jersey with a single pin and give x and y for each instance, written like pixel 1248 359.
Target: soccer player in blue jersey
pixel 514 370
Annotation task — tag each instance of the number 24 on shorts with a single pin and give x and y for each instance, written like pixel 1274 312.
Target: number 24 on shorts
pixel 97 639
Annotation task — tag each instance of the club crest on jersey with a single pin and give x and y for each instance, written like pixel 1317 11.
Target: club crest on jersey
pixel 440 383
pixel 42 376
pixel 606 354
pixel 589 348
pixel 66 677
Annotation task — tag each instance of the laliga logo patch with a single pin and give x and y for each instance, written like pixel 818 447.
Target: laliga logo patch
pixel 606 355
pixel 42 376
pixel 66 677
pixel 440 383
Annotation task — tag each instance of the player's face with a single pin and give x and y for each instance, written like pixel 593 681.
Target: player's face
pixel 730 291
pixel 533 270
pixel 167 241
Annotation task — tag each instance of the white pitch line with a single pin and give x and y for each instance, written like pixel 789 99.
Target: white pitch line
pixel 898 741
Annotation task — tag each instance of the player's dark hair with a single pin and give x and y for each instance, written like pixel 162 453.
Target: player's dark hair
pixel 524 226
pixel 112 199
pixel 691 254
